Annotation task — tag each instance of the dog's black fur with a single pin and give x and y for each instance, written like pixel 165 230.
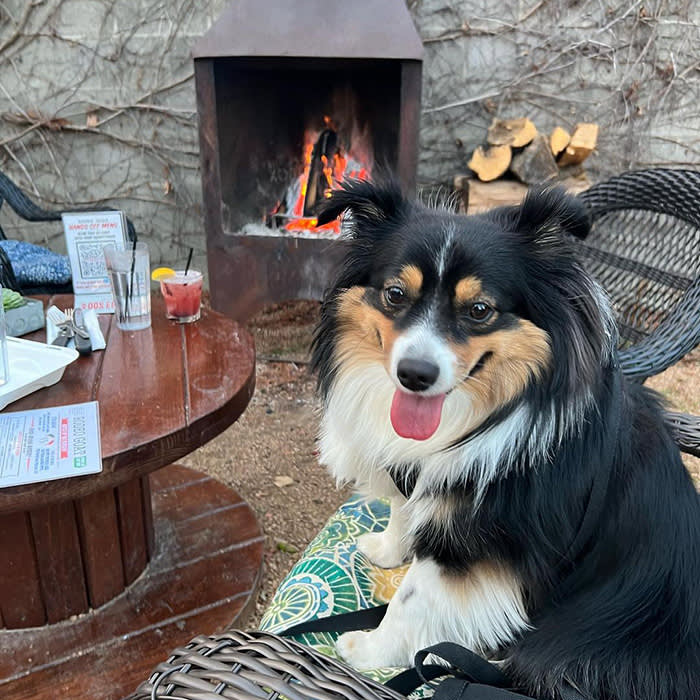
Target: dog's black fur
pixel 619 616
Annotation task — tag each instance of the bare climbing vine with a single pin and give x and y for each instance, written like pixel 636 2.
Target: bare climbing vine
pixel 97 106
pixel 633 67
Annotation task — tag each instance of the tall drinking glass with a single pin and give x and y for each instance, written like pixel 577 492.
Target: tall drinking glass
pixel 129 275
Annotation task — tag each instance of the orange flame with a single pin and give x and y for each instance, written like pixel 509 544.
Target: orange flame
pixel 334 172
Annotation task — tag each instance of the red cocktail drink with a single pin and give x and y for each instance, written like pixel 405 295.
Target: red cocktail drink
pixel 183 295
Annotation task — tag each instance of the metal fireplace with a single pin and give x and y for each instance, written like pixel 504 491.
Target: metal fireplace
pixel 293 98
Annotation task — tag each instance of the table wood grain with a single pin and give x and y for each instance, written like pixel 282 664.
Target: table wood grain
pixel 162 393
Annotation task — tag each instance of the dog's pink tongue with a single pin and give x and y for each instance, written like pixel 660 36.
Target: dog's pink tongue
pixel 415 416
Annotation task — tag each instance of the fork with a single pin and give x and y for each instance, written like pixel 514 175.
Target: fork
pixel 64 326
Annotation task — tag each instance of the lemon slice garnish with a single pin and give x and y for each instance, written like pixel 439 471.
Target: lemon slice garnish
pixel 161 273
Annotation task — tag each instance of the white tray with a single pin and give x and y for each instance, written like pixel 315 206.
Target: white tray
pixel 33 366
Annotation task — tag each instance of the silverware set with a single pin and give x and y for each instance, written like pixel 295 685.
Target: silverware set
pixel 70 323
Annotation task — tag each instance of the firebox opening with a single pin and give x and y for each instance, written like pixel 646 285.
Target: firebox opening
pixel 330 157
pixel 284 123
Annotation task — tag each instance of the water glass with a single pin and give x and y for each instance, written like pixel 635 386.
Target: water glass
pixel 129 275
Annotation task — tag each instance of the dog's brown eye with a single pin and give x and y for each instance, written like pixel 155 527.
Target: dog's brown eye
pixel 394 295
pixel 480 311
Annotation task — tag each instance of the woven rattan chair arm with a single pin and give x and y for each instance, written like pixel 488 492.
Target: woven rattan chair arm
pixel 686 430
pixel 676 335
pixel 29 211
pixel 256 665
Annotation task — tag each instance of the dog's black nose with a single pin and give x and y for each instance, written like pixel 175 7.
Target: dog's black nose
pixel 417 375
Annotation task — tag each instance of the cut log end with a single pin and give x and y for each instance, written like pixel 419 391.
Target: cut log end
pixel 583 142
pixel 491 163
pixel 558 140
pixel 511 132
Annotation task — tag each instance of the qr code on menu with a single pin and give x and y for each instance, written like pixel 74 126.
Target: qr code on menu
pixel 91 260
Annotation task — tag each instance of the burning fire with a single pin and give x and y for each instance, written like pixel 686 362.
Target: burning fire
pixel 335 166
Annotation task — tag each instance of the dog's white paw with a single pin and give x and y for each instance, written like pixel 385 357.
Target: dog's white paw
pixel 361 650
pixel 381 549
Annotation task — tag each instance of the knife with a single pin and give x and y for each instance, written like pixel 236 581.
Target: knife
pixel 82 336
pixel 64 334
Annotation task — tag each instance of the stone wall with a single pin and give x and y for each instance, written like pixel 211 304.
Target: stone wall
pixel 97 97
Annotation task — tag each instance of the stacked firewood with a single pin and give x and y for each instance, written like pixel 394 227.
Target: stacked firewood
pixel 515 146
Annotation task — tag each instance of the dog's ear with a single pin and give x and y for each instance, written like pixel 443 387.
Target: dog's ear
pixel 560 295
pixel 369 205
pixel 549 212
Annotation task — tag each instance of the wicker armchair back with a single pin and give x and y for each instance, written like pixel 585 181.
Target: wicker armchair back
pixel 26 209
pixel 644 248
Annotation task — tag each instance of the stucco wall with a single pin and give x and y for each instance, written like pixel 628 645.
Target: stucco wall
pixel 630 66
pixel 97 98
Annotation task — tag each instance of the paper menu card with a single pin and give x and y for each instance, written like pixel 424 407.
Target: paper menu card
pixel 49 443
pixel 87 233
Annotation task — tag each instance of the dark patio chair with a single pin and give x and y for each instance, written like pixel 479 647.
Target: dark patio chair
pixel 255 666
pixel 644 248
pixel 26 209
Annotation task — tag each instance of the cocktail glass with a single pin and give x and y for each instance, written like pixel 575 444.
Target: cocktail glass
pixel 182 293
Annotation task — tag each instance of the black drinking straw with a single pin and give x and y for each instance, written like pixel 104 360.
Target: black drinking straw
pixel 130 290
pixel 189 260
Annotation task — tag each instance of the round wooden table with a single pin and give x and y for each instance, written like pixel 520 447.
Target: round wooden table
pixel 102 574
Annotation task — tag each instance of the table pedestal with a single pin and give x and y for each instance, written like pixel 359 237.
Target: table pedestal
pixel 201 576
pixel 66 558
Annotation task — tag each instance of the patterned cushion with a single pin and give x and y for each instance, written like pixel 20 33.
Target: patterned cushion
pixel 35 266
pixel 333 577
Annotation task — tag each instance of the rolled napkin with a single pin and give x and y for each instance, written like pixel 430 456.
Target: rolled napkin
pixel 93 326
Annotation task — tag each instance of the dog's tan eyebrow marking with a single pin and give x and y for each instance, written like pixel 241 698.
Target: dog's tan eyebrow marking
pixel 412 277
pixel 468 289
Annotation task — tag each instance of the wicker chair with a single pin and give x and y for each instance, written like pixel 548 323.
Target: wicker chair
pixel 644 248
pixel 253 665
pixel 26 209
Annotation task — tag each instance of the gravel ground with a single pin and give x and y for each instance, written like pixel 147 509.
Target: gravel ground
pixel 269 456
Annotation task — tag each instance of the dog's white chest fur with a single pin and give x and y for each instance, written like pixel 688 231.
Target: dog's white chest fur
pixel 481 610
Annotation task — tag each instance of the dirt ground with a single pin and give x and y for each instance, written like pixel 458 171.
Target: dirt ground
pixel 269 456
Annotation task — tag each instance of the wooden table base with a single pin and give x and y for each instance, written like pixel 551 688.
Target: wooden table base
pixel 203 576
pixel 66 558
